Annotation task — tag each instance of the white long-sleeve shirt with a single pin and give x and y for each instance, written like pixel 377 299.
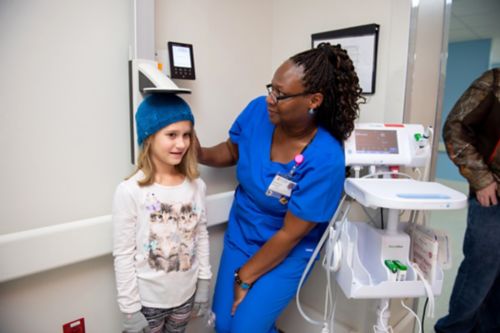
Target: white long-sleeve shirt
pixel 160 243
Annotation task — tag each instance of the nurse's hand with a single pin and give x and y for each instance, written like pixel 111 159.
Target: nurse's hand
pixel 239 296
pixel 197 146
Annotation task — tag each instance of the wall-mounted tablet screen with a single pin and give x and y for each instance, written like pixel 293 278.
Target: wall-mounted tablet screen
pixel 181 61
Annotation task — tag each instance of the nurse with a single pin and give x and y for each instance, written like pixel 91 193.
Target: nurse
pixel 290 167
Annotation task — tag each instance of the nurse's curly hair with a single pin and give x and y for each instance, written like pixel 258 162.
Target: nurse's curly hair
pixel 329 70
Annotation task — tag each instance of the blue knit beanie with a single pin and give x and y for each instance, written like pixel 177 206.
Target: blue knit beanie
pixel 159 110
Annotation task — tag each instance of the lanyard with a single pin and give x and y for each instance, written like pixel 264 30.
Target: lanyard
pixel 299 158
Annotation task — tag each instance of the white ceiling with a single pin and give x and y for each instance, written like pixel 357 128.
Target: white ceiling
pixel 474 19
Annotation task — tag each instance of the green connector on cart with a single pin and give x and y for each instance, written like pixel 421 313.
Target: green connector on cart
pixel 391 265
pixel 399 265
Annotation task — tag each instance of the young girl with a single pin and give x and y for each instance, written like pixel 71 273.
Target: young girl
pixel 161 254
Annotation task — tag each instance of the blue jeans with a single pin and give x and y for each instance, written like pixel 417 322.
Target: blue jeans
pixel 268 297
pixel 475 300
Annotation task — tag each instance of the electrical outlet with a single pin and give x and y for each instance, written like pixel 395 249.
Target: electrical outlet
pixel 75 326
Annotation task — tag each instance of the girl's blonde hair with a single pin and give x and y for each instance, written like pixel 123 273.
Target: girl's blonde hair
pixel 188 166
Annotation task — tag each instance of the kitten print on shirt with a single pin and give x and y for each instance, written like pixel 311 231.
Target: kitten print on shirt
pixel 172 232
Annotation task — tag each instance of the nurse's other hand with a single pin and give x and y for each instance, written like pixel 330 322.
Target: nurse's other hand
pixel 239 296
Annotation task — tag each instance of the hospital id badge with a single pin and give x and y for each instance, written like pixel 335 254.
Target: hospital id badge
pixel 280 187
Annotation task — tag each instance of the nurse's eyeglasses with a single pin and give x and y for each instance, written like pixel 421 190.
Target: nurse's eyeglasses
pixel 276 97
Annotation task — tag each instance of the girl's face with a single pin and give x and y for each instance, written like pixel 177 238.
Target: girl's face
pixel 170 144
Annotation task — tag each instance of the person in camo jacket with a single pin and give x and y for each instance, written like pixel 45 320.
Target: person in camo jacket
pixel 472 138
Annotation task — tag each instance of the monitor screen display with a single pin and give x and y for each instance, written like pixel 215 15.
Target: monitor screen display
pixel 181 60
pixel 376 141
pixel 182 56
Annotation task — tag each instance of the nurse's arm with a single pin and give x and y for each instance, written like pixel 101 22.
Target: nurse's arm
pixel 222 155
pixel 276 249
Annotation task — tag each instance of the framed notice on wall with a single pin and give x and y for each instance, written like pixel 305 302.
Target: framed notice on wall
pixel 361 44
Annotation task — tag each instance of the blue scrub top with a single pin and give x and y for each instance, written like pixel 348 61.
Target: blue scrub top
pixel 255 217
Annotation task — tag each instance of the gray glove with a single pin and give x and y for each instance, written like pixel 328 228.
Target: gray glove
pixel 201 297
pixel 135 323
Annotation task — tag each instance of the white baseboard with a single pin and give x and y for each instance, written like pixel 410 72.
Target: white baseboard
pixel 32 251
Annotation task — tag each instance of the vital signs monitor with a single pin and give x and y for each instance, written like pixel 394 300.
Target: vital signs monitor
pixel 387 144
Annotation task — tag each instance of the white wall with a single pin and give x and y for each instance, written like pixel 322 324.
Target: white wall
pixel 64 137
pixel 44 302
pixel 64 109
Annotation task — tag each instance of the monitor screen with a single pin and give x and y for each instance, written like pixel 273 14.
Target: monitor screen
pixel 182 56
pixel 181 60
pixel 376 141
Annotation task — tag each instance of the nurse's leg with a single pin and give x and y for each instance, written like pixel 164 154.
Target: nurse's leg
pixel 231 259
pixel 268 297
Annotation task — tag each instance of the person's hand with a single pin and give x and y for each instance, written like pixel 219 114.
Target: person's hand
pixel 135 323
pixel 488 196
pixel 239 296
pixel 201 297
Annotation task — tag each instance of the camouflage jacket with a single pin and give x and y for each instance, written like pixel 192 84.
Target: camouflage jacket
pixel 472 132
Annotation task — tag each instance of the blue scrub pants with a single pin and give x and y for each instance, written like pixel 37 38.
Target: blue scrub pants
pixel 475 300
pixel 264 302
